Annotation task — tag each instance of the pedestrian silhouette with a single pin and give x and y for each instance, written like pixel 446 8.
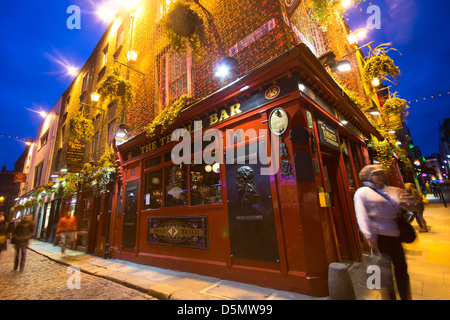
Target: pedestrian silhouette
pixel 3 232
pixel 20 236
pixel 66 231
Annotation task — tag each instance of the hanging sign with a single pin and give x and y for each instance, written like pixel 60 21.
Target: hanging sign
pixel 20 177
pixel 328 134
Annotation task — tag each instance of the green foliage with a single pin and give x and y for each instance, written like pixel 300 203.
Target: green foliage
pixel 81 128
pixel 168 116
pixel 184 27
pixel 397 107
pixel 117 89
pixel 380 65
pixel 384 151
pixel 102 171
pixel 70 183
pixel 18 207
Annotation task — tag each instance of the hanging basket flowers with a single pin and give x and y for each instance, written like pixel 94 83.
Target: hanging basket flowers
pixel 379 65
pixel 168 116
pixel 116 89
pixel 81 128
pixel 184 27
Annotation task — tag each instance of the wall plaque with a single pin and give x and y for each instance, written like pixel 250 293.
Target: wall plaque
pixel 250 209
pixel 188 232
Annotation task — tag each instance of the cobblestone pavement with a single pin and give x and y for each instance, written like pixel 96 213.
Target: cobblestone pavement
pixel 43 279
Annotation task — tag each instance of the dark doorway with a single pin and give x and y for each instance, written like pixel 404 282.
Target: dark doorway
pixel 130 215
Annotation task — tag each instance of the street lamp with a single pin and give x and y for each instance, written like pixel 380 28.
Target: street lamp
pixel 95 97
pixel 132 55
pixel 224 67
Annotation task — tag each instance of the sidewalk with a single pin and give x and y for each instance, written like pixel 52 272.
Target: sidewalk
pixel 160 283
pixel 428 258
pixel 428 261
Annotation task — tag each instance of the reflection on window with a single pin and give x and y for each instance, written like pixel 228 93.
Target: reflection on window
pixel 205 184
pixel 176 186
pixel 153 190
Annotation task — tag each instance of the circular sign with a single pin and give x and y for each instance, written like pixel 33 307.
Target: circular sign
pixel 272 92
pixel 278 121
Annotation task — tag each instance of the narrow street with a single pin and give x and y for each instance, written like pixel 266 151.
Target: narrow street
pixel 44 279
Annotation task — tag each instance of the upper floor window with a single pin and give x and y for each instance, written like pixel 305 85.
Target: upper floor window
pixel 43 140
pixel 163 7
pixel 85 82
pixel 175 75
pixel 105 55
pixel 120 34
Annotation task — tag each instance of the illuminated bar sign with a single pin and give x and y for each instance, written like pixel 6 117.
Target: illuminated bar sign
pixel 188 232
pixel 225 112
pixel 328 134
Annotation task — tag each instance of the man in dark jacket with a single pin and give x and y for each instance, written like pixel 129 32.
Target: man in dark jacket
pixel 20 236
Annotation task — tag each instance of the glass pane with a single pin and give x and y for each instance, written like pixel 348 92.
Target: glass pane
pixel 205 184
pixel 153 190
pixel 176 186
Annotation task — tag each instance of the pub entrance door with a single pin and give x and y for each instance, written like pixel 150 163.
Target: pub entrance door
pixel 130 215
pixel 332 179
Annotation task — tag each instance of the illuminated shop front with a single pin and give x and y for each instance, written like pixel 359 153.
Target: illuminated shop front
pixel 228 219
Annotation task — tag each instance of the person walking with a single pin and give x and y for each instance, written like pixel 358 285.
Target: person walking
pixel 3 232
pixel 66 231
pixel 418 213
pixel 20 236
pixel 377 208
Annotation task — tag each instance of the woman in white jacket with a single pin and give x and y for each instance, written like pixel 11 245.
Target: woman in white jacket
pixel 377 208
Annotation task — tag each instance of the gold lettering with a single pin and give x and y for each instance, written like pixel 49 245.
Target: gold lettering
pixel 213 119
pixel 235 109
pixel 223 115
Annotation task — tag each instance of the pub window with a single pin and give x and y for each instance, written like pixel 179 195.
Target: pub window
pixel 153 190
pixel 356 159
pixel 348 167
pixel 205 184
pixel 175 185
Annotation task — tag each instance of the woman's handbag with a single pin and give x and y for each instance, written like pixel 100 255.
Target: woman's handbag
pixel 407 232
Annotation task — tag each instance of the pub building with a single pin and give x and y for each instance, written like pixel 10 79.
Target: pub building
pixel 227 219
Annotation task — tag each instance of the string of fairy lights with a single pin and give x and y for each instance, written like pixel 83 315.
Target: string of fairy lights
pixel 434 96
pixel 11 136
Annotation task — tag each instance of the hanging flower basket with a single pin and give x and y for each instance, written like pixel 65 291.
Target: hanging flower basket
pixel 184 27
pixel 396 106
pixel 116 89
pixel 380 67
pixel 81 128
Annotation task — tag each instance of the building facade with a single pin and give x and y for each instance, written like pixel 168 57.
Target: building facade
pixel 286 134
